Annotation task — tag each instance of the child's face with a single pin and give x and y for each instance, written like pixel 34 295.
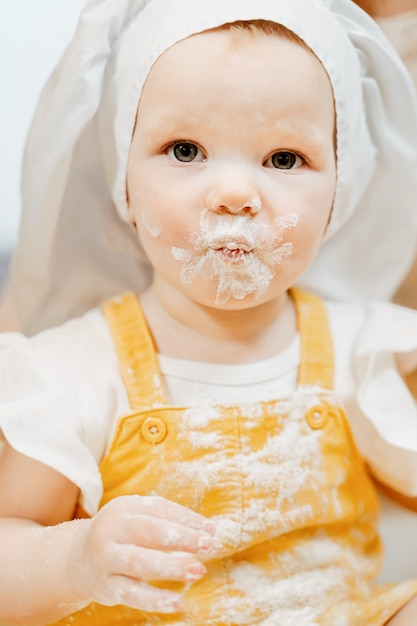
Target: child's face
pixel 232 170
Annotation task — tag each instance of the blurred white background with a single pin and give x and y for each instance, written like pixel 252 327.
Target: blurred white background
pixel 33 34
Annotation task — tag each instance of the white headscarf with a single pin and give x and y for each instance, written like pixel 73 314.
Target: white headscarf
pixel 75 245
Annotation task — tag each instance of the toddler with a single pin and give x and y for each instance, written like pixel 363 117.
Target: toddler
pixel 201 451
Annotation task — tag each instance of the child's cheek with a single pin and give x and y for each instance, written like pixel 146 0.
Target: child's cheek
pixel 152 221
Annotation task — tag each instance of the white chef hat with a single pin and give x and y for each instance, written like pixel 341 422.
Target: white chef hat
pixel 75 246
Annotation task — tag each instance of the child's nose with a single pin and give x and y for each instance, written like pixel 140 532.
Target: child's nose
pixel 249 207
pixel 234 195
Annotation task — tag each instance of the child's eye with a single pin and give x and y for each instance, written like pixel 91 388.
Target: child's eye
pixel 285 160
pixel 185 151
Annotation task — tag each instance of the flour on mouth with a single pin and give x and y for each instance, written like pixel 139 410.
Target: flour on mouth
pixel 241 254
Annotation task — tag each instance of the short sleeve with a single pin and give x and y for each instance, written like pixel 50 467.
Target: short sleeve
pixel 59 396
pixel 385 349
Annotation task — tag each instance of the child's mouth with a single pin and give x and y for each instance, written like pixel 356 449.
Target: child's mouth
pixel 239 253
pixel 234 252
pixel 235 255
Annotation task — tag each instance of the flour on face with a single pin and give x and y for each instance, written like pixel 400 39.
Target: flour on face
pixel 241 254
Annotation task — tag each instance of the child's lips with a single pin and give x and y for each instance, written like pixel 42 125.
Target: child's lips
pixel 233 246
pixel 241 246
pixel 233 251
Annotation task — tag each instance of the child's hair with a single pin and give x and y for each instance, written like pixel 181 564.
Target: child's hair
pixel 241 28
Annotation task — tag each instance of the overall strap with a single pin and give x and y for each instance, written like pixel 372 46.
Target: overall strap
pixel 135 350
pixel 316 344
pixel 137 356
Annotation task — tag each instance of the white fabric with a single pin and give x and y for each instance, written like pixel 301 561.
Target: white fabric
pixel 401 30
pixel 188 382
pixel 61 391
pixel 75 248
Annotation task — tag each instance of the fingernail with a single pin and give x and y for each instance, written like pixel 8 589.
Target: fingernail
pixel 205 543
pixel 195 571
pixel 209 528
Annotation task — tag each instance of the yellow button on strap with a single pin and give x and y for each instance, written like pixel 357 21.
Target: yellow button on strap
pixel 153 430
pixel 317 416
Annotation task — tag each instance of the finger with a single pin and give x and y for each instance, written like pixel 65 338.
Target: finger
pixel 139 595
pixel 142 563
pixel 160 534
pixel 166 509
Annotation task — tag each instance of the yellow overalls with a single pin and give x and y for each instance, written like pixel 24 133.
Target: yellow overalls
pixel 295 508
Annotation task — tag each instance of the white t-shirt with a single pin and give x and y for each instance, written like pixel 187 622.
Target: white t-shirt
pixel 61 392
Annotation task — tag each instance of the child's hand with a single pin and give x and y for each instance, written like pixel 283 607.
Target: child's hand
pixel 133 540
